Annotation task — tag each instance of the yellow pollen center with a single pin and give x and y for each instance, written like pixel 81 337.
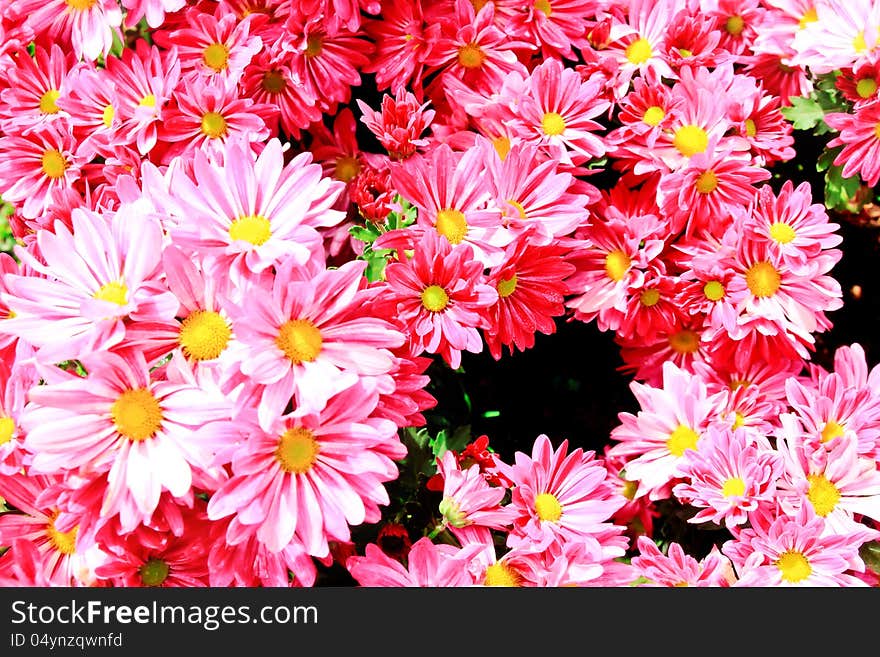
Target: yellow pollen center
pixel 707 182
pixel 553 124
pixel 114 292
pixel 751 128
pixel 314 45
pixel 136 414
pixel 762 279
pixel 877 130
pixel 506 286
pixel 107 116
pixel 832 430
pixel 471 56
pixel 452 225
pixel 859 44
pixel 690 140
pixel 204 335
pixel 617 264
pixel 274 82
pixel 681 439
pixel 500 574
pixel 81 5
pixel 735 25
pixel 794 566
pixel 823 495
pixel 54 164
pixel 213 125
pixel 297 450
pixel 629 489
pixel 253 228
pixel 63 542
pixel 738 420
pixel 7 428
pixel 154 572
pixel 548 507
pixel 733 487
pixel 713 290
pixel 866 87
pixel 649 297
pixel 544 7
pixel 810 16
pixel 148 101
pixel 47 102
pixel 347 167
pixel 216 56
pixel 684 52
pixel 434 298
pixel 639 51
pixel 479 4
pixel 781 232
pixel 684 341
pixel 300 340
pixel 521 211
pixel 653 115
pixel 502 146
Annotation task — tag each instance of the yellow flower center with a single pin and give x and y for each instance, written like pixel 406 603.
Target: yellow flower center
pixel 684 341
pixel 148 101
pixel 794 566
pixel 762 279
pixel 314 45
pixel 80 5
pixel 471 56
pixel 707 182
pixel 300 340
pixel 544 7
pixel 866 87
pixel 452 513
pixel 7 428
pixel 297 450
pixel 107 116
pixel 54 164
pixel 782 232
pixel 347 167
pixel 452 225
pixel 500 574
pixel 114 291
pixel 681 439
pixel 653 115
pixel 204 335
pixel 213 125
pixel 274 82
pixel 137 414
pixel 639 51
pixel 733 487
pixel 502 146
pixel 684 52
pixel 216 56
pixel 735 25
pixel 154 572
pixel 823 495
pixel 521 211
pixel 751 128
pixel 738 420
pixel 617 264
pixel 553 124
pixel 253 228
pixel 548 507
pixel 877 130
pixel 630 488
pixel 859 44
pixel 47 102
pixel 63 542
pixel 810 16
pixel 649 297
pixel 832 430
pixel 713 290
pixel 506 286
pixel 434 298
pixel 690 140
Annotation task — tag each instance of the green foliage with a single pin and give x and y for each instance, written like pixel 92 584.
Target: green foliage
pixel 870 554
pixel 842 194
pixel 369 231
pixel 808 112
pixel 7 241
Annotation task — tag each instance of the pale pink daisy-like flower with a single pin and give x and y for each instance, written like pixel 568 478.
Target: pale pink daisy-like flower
pixel 90 101
pixel 153 11
pixel 468 499
pixel 427 565
pixel 797 550
pixel 35 86
pixel 672 419
pixel 249 213
pixel 124 421
pixel 859 135
pixel 37 163
pixel 15 381
pixel 308 478
pixel 676 568
pixel 730 475
pixel 88 25
pixel 555 25
pixel 94 277
pixel 578 563
pixel 310 337
pixel 559 496
pixel 439 297
pixel 844 31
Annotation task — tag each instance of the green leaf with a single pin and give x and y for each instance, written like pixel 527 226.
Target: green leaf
pixel 804 113
pixel 870 554
pixel 840 192
pixel 826 159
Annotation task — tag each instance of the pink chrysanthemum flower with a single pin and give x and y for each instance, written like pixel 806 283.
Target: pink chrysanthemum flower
pixel 651 310
pixel 440 297
pixel 843 32
pixel 400 124
pixel 797 551
pixel 309 337
pixel 249 213
pixel 15 381
pixel 677 568
pixel 139 429
pixel 88 25
pixel 555 25
pixel 728 477
pixel 672 419
pixel 427 565
pixel 35 86
pixel 94 277
pixel 154 11
pixel 560 496
pixel 308 478
pixel 468 499
pixel 91 103
pixel 777 76
pixel 859 135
